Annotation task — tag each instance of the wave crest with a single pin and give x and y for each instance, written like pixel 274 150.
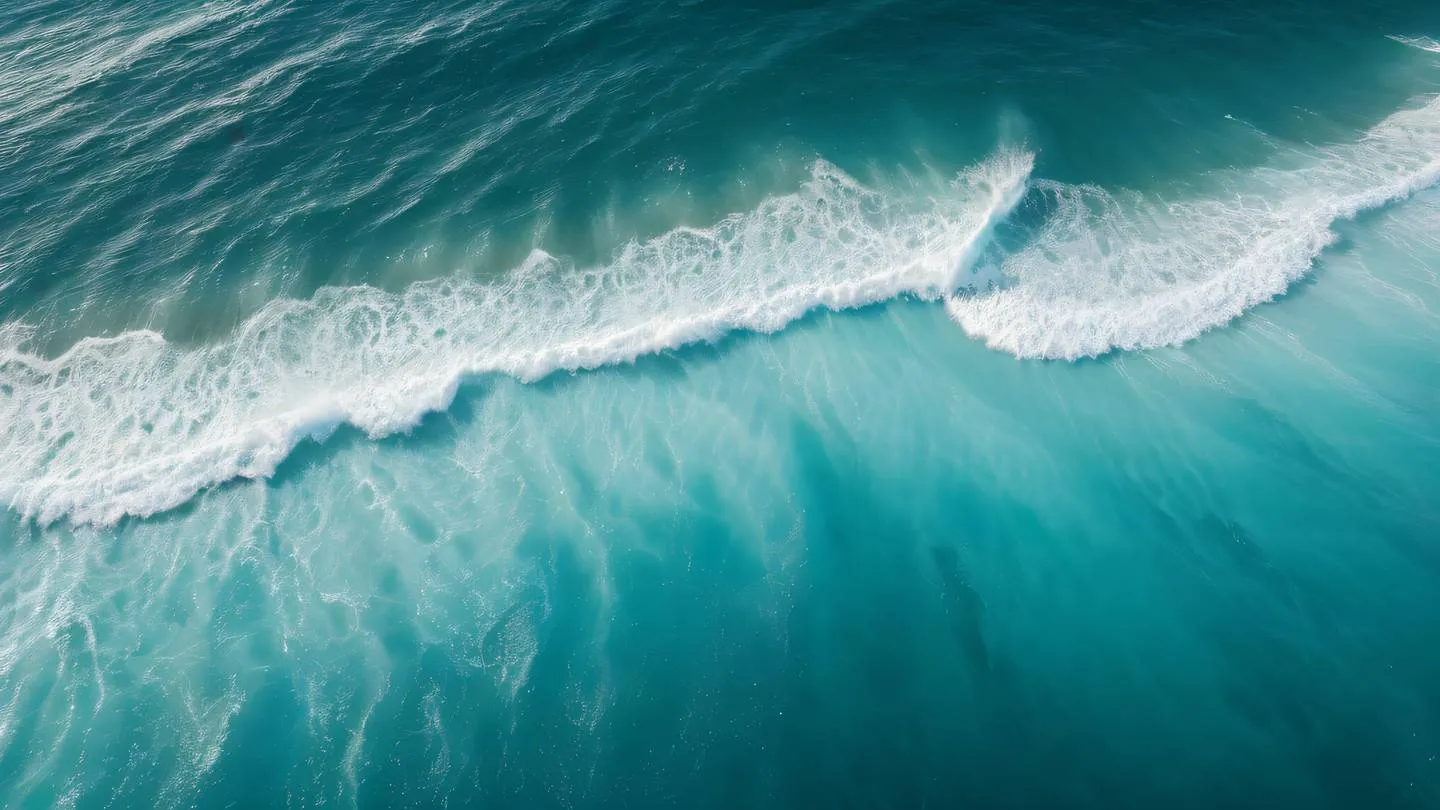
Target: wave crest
pixel 134 425
pixel 1115 271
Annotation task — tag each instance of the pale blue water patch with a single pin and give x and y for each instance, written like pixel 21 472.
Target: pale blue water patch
pixel 678 449
pixel 756 579
pixel 830 564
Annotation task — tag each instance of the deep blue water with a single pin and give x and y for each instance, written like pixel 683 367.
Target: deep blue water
pixel 719 404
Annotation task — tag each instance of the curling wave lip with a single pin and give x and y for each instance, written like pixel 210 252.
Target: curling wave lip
pixel 1109 272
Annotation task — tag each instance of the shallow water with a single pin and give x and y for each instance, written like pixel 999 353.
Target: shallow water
pixel 735 405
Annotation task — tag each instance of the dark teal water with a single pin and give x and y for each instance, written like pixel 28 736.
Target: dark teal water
pixel 587 404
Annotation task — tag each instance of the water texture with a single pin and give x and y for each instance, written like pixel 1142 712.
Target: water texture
pixel 719 404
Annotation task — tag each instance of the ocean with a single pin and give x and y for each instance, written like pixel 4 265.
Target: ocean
pixel 719 404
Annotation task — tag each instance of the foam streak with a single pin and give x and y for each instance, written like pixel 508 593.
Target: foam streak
pixel 133 425
pixel 1114 271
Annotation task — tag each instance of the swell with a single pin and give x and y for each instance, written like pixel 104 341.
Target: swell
pixel 134 425
pixel 1113 271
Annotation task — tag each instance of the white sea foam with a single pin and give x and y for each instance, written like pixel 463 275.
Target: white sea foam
pixel 1120 271
pixel 134 425
pixel 1423 43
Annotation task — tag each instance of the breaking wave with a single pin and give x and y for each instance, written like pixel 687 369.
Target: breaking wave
pixel 135 425
pixel 1108 271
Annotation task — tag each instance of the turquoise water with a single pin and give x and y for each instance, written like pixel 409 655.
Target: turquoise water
pixel 716 404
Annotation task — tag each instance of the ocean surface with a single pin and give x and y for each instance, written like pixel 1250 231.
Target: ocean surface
pixel 601 404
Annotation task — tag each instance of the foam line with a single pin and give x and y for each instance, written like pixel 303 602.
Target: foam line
pixel 1423 43
pixel 1110 271
pixel 134 425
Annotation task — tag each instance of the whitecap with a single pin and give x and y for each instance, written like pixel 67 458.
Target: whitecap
pixel 135 425
pixel 1122 271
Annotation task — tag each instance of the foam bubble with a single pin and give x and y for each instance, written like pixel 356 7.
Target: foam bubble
pixel 1111 271
pixel 134 425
